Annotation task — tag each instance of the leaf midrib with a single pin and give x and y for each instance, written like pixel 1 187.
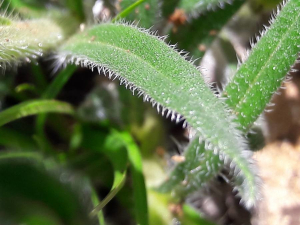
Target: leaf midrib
pixel 183 93
pixel 143 60
pixel 237 162
pixel 263 68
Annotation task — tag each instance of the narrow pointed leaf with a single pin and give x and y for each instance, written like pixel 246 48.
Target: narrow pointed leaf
pixel 117 147
pixel 34 107
pixel 96 202
pixel 168 81
pixel 263 72
pixel 138 181
pixel 168 7
pixel 119 180
pixel 114 149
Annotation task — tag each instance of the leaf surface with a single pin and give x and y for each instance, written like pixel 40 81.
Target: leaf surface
pixel 146 64
pixel 34 107
pixel 263 72
pixel 199 167
pixel 27 39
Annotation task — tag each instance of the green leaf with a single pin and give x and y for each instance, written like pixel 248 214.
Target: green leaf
pixel 138 182
pixel 199 167
pixel 128 6
pixel 113 146
pixel 114 149
pixel 22 40
pixel 266 67
pixel 197 6
pixel 142 11
pixel 26 87
pixel 110 145
pixel 197 36
pixel 23 155
pixel 32 108
pixel 119 180
pixel 148 66
pixel 96 202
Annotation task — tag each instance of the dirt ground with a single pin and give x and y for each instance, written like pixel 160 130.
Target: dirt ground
pixel 279 161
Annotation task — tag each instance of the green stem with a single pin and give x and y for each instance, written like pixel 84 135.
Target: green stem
pixel 126 11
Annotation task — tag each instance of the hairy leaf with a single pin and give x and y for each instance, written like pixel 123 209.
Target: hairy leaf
pixel 27 39
pixel 263 72
pixel 165 79
pixel 34 107
pixel 198 167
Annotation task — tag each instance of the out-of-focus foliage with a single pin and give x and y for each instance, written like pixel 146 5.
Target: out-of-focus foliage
pixel 96 154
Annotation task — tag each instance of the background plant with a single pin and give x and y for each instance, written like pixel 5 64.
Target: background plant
pixel 107 137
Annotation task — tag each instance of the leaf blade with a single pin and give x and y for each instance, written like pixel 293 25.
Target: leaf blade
pixel 198 168
pixel 146 62
pixel 34 107
pixel 263 72
pixel 27 39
